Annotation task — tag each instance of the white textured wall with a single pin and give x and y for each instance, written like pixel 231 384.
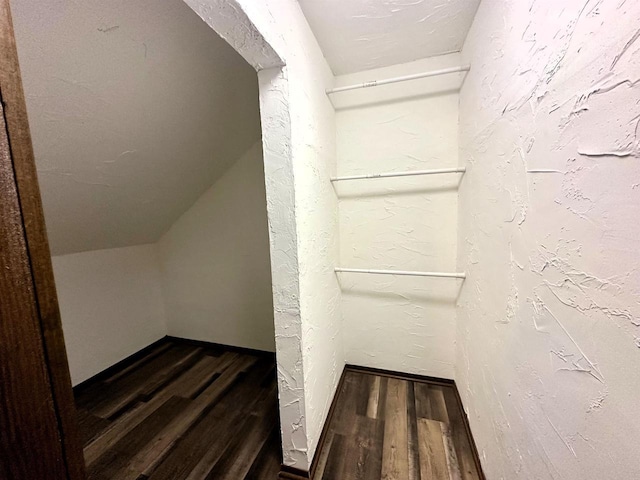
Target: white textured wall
pixel 549 317
pixel 321 355
pixel 316 214
pixel 215 262
pixel 111 306
pixel 399 323
pixel 314 161
pixel 237 24
pixel 299 144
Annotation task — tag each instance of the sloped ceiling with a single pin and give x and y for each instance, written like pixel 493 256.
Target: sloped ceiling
pixel 135 107
pixel 357 35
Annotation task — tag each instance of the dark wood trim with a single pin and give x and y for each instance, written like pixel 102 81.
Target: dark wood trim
pixel 327 422
pixel 290 473
pixel 467 427
pixel 121 365
pixel 232 348
pixel 27 411
pixel 401 375
pixel 31 221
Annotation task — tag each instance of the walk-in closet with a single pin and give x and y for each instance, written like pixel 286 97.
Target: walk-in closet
pixel 319 239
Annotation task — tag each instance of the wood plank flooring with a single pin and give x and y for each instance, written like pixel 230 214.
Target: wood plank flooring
pixel 194 412
pixel 183 412
pixel 396 429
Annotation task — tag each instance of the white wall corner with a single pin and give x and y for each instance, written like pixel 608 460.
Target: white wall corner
pixel 229 20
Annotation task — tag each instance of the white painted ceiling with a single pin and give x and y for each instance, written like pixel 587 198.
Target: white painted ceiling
pixel 135 107
pixel 357 35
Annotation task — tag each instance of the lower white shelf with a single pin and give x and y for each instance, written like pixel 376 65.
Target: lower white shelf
pixel 402 272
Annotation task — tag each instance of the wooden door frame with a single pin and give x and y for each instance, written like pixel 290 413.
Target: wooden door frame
pixel 26 250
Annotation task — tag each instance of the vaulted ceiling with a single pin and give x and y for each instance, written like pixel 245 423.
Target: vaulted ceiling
pixel 135 107
pixel 357 35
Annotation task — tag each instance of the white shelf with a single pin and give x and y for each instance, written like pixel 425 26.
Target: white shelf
pixel 402 272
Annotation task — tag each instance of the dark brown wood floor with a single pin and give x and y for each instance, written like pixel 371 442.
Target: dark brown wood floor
pixel 183 412
pixel 395 429
pixel 203 412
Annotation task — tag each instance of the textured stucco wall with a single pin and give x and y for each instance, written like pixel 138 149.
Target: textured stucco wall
pixel 399 323
pixel 215 265
pixel 298 125
pixel 111 305
pixel 311 378
pixel 283 237
pixel 549 316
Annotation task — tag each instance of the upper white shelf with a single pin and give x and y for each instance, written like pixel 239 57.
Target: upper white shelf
pixel 404 78
pixel 401 174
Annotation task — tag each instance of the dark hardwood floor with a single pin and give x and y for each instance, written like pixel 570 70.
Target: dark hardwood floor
pixel 396 429
pixel 183 412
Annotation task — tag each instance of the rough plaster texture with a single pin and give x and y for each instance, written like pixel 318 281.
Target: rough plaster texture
pixel 215 265
pixel 313 160
pixel 133 115
pixel 299 156
pixel 283 238
pixel 111 306
pixel 358 35
pixel 399 323
pixel 549 316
